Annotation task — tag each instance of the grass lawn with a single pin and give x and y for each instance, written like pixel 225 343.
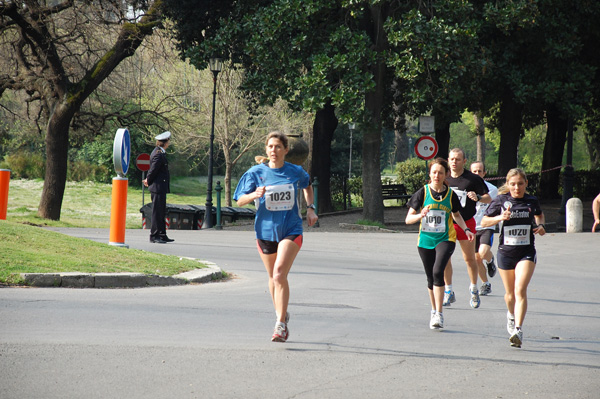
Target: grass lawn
pixel 31 249
pixel 27 248
pixel 87 204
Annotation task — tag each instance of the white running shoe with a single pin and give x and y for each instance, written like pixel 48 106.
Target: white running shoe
pixel 449 298
pixel 475 300
pixel 280 334
pixel 510 323
pixel 486 288
pixel 437 321
pixel 517 338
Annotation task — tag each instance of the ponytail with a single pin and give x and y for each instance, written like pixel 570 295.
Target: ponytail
pixel 261 159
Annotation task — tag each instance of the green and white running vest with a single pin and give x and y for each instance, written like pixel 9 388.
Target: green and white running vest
pixel 438 225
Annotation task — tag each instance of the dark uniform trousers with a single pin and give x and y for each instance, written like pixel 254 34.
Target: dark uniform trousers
pixel 158 226
pixel 158 183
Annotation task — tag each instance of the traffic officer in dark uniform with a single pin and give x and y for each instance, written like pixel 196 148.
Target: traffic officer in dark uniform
pixel 157 182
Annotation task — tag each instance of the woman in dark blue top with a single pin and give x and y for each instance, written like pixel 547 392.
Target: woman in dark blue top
pixel 520 217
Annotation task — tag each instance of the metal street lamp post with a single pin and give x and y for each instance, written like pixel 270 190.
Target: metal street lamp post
pixel 216 64
pixel 351 127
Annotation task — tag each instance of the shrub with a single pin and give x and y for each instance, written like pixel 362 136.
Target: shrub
pixel 25 165
pixel 85 171
pixel 412 173
pixel 355 185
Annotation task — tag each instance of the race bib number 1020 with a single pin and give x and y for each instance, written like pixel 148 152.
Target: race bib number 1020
pixel 517 235
pixel 280 197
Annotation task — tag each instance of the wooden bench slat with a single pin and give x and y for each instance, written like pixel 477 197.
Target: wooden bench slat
pixel 394 191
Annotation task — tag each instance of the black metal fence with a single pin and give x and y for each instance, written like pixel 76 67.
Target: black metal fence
pixel 586 185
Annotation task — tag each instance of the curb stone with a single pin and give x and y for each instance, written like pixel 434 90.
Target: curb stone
pixel 351 226
pixel 122 280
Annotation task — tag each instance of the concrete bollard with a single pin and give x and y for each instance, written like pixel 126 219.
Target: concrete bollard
pixel 574 215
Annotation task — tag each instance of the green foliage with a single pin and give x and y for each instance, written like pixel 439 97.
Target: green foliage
pixel 412 173
pixel 84 171
pixel 462 135
pixel 340 151
pixel 355 186
pixel 301 51
pixel 531 149
pixel 435 53
pixel 530 146
pixel 25 165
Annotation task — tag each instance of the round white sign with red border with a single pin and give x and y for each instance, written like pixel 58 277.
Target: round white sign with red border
pixel 426 147
pixel 143 162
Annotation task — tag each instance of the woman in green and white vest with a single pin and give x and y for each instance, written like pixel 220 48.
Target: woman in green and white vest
pixel 437 207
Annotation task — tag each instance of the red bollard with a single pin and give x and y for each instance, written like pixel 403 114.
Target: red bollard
pixel 4 180
pixel 118 212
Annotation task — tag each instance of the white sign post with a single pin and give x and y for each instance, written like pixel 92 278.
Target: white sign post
pixel 426 124
pixel 118 212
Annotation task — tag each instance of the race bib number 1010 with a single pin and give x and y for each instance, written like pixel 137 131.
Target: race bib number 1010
pixel 434 222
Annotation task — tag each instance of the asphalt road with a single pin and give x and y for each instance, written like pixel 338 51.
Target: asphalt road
pixel 359 328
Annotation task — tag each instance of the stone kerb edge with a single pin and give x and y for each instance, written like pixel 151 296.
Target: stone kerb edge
pixel 121 280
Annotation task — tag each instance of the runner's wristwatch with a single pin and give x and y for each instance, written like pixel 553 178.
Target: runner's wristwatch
pixel 311 206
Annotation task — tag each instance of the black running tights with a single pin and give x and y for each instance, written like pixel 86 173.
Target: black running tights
pixel 435 261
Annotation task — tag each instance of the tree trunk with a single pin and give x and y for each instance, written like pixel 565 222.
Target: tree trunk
pixel 511 127
pixel 442 136
pixel 554 148
pixel 402 152
pixel 480 134
pixel 592 141
pixel 228 168
pixel 323 129
pixel 371 168
pixel 371 173
pixel 57 149
pixel 71 96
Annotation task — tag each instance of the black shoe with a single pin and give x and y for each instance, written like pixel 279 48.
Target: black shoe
pixel 491 266
pixel 166 239
pixel 157 241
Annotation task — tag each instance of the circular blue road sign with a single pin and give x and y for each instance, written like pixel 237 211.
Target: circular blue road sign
pixel 121 152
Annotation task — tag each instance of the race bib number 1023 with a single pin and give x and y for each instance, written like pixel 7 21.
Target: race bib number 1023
pixel 280 197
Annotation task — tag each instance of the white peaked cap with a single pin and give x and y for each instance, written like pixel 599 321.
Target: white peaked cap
pixel 163 136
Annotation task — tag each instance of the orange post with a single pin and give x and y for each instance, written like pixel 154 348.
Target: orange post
pixel 118 212
pixel 4 180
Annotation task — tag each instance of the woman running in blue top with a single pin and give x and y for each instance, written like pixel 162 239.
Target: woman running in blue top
pixel 275 187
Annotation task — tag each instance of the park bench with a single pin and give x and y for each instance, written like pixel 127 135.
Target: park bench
pixel 394 191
